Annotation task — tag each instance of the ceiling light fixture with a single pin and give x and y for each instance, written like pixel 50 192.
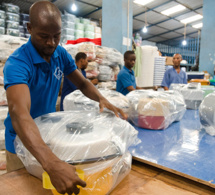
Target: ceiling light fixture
pixel 74 7
pixel 199 25
pixel 184 42
pixel 145 26
pixel 173 10
pixel 191 19
pixel 143 2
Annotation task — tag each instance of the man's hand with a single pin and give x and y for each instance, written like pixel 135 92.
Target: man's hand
pixel 64 178
pixel 106 104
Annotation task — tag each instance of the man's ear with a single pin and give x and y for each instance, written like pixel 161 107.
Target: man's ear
pixel 29 27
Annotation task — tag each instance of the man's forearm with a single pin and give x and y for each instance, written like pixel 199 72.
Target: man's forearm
pixel 29 134
pixel 89 90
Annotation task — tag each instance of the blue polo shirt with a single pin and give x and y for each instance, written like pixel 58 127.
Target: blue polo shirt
pixel 68 87
pixel 125 78
pixel 171 76
pixel 26 66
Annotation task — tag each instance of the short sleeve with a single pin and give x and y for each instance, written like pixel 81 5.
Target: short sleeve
pixel 126 81
pixel 16 72
pixel 165 81
pixel 68 61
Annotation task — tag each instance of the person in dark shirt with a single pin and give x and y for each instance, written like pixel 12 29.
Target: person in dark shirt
pixel 68 87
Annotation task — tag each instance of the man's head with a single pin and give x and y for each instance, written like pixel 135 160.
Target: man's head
pixel 45 27
pixel 177 58
pixel 129 58
pixel 81 60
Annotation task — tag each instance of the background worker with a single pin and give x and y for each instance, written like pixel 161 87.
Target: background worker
pixel 174 74
pixel 125 79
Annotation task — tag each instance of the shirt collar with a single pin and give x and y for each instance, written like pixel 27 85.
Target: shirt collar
pixel 37 59
pixel 130 71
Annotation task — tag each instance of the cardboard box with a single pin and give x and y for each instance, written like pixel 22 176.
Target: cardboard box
pixel 169 61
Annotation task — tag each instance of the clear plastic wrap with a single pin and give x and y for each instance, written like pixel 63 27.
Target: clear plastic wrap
pixel 107 85
pixel 89 49
pixel 154 109
pixel 192 93
pixel 3 97
pixel 207 114
pixel 78 101
pixel 95 143
pixel 108 56
pixel 3 115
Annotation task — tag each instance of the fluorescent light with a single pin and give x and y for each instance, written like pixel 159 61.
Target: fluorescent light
pixel 142 2
pixel 191 19
pixel 145 29
pixel 173 10
pixel 197 25
pixel 74 7
pixel 184 42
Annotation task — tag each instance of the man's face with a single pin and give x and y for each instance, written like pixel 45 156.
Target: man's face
pixel 177 59
pixel 45 36
pixel 130 61
pixel 84 63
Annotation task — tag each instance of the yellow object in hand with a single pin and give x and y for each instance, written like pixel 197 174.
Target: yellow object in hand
pixel 47 184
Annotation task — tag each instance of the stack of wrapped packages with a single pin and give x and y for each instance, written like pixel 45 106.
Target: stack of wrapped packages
pixel 78 101
pixel 68 27
pixel 11 19
pixel 3 115
pixel 95 143
pixel 207 114
pixel 155 109
pixel 192 93
pixel 104 62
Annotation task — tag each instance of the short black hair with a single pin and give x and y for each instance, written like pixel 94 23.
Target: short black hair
pixel 80 55
pixel 127 53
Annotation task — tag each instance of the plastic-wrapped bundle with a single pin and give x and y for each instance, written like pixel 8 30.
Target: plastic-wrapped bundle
pixel 107 85
pixel 92 74
pixel 78 101
pixel 88 34
pixel 85 21
pixel 72 50
pixel 79 26
pixel 2 23
pixel 207 114
pixel 88 27
pixel 3 98
pixel 192 93
pixel 154 109
pixel 176 86
pixel 2 14
pixel 3 115
pixel 76 138
pixel 105 73
pixel 89 49
pixel 108 56
pixel 92 66
pixel 68 17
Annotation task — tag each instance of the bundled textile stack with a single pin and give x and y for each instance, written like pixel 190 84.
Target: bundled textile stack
pixel 2 22
pixel 192 93
pixel 78 101
pixel 104 62
pixel 155 110
pixel 11 19
pixel 68 27
pixel 75 137
pixel 74 28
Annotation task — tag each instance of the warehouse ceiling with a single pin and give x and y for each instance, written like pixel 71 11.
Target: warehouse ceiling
pixel 161 28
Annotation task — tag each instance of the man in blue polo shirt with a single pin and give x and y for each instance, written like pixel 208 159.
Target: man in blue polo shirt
pixel 32 78
pixel 174 74
pixel 81 62
pixel 126 79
